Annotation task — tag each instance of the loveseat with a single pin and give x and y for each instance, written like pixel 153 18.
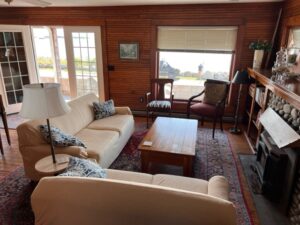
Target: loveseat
pixel 104 138
pixel 132 198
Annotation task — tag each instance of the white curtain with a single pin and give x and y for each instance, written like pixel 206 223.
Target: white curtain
pixel 216 38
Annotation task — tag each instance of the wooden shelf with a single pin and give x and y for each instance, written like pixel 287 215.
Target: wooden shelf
pixel 258 104
pixel 255 125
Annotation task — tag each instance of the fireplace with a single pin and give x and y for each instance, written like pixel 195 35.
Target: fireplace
pixel 277 162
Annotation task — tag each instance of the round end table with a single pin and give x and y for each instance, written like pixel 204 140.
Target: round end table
pixel 46 165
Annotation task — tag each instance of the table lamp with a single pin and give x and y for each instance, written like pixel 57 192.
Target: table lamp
pixel 239 78
pixel 43 101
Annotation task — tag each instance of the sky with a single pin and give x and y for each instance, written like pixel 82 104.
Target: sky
pixel 190 61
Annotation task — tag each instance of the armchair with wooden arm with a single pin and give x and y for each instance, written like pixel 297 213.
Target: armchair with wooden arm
pixel 213 104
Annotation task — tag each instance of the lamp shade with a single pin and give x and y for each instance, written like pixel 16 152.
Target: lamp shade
pixel 43 101
pixel 241 77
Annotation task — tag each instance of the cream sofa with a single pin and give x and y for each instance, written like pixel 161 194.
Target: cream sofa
pixel 131 198
pixel 104 138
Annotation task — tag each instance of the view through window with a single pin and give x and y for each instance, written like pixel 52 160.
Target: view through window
pixel 50 53
pixel 190 69
pixel 192 54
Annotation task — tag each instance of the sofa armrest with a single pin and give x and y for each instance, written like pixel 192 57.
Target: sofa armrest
pixel 40 151
pixel 218 187
pixel 123 110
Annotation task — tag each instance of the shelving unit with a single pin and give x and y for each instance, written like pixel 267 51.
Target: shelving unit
pixel 258 99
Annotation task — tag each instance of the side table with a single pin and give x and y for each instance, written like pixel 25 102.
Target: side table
pixel 47 167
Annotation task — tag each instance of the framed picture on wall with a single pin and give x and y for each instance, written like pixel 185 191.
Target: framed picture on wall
pixel 129 51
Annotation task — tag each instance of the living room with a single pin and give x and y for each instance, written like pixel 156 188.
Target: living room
pixel 240 160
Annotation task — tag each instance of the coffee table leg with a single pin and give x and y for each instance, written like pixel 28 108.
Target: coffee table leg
pixel 188 166
pixel 145 162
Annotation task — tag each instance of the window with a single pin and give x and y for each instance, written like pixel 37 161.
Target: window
pixel 294 38
pixel 190 55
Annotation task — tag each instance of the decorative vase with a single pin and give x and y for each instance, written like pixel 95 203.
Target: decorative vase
pixel 258 58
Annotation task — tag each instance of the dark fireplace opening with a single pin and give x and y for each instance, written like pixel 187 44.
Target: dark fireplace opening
pixel 277 169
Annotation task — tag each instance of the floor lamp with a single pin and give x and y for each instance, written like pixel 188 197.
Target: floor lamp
pixel 43 101
pixel 240 78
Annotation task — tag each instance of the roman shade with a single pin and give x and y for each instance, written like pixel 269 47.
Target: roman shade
pixel 183 38
pixel 294 38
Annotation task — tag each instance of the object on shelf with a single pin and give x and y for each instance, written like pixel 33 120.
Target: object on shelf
pixel 257 122
pixel 259 48
pixel 258 58
pixel 287 64
pixel 259 96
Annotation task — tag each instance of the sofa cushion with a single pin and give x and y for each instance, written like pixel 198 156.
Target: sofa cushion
pixel 119 123
pixel 100 144
pixel 129 176
pixel 182 183
pixel 105 109
pixel 83 168
pixel 80 116
pixel 59 138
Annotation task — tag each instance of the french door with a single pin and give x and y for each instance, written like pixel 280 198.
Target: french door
pixel 16 65
pixel 84 57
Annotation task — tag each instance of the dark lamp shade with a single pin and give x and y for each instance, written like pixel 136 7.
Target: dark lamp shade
pixel 241 78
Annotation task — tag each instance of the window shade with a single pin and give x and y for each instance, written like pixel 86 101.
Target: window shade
pixel 294 38
pixel 197 38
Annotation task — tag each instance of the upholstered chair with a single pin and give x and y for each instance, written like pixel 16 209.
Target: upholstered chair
pixel 212 104
pixel 161 99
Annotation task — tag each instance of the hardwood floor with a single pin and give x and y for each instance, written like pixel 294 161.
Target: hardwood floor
pixel 12 158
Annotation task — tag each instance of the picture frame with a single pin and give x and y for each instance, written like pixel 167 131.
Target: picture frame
pixel 129 50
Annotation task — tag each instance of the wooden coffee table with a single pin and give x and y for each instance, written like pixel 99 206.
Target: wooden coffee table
pixel 173 142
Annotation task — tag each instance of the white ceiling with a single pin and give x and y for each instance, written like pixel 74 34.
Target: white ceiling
pixel 81 3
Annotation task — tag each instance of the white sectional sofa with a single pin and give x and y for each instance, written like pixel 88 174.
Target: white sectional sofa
pixel 104 138
pixel 131 198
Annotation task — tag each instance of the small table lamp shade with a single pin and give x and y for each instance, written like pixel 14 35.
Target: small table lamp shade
pixel 43 101
pixel 241 77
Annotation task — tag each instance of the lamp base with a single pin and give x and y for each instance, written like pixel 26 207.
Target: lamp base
pixel 235 130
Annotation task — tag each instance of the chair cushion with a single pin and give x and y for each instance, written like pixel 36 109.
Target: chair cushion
pixel 203 109
pixel 159 104
pixel 214 92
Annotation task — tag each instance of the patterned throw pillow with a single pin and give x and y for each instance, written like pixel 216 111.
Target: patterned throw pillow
pixel 104 109
pixel 83 168
pixel 214 93
pixel 59 138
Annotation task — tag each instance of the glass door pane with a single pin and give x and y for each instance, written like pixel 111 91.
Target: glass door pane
pixel 84 60
pixel 13 65
pixel 16 65
pixel 50 54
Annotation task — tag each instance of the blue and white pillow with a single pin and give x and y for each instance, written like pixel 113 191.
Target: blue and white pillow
pixel 104 109
pixel 59 138
pixel 83 168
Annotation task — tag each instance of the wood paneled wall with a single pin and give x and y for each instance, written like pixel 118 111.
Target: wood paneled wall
pixel 130 79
